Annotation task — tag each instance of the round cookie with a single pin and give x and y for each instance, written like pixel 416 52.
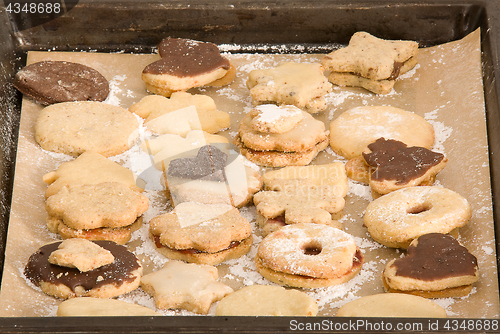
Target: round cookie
pixel 266 300
pixel 308 255
pixel 77 127
pixel 397 218
pixel 52 81
pixel 356 128
pixel 399 305
pixel 121 276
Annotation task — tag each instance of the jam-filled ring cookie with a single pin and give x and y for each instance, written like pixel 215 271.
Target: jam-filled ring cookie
pixel 186 64
pixel 356 128
pixel 308 255
pixel 397 218
pixel 58 277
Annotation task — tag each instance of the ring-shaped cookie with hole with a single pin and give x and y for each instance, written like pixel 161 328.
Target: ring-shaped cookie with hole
pixel 308 255
pixel 397 218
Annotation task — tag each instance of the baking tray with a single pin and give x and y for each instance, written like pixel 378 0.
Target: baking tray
pixel 139 26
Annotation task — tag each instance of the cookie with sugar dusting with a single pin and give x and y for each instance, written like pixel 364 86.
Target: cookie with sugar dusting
pixel 356 128
pixel 189 286
pixel 201 233
pixel 296 147
pixel 269 119
pixel 180 114
pixel 186 64
pixel 300 84
pixel 308 256
pixel 370 62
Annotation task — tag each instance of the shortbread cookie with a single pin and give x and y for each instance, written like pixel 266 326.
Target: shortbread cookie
pixel 110 280
pixel 388 165
pixel 102 211
pixel 76 127
pixel 356 128
pixel 299 84
pixel 51 81
pixel 383 86
pixel 186 64
pixel 81 254
pixel 266 300
pixel 298 146
pixel 436 266
pixel 301 194
pixel 308 256
pixel 370 62
pixel 201 233
pixel 88 169
pixel 210 177
pixel 188 286
pixel 397 218
pixel 99 307
pixel 181 113
pixel 397 305
pixel 269 119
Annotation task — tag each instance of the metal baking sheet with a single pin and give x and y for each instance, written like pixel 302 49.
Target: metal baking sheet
pixel 14 102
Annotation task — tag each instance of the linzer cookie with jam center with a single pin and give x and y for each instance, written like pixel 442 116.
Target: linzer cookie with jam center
pixel 52 81
pixel 63 279
pixel 436 266
pixel 370 62
pixel 201 233
pixel 295 142
pixel 186 64
pixel 104 211
pixel 308 256
pixel 388 165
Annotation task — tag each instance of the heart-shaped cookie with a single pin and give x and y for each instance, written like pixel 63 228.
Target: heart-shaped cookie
pixel 208 165
pixel 394 160
pixel 435 262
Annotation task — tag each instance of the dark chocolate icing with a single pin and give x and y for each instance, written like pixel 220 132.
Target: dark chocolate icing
pixel 395 71
pixel 60 81
pixel 39 269
pixel 436 256
pixel 208 165
pixel 186 58
pixel 393 160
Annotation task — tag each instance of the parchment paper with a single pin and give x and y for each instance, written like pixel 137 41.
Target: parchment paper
pixel 445 88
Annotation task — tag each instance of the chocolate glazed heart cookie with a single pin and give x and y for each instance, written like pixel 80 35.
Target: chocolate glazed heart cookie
pixel 436 266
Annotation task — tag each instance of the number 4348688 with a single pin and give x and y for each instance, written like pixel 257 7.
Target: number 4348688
pixel 33 8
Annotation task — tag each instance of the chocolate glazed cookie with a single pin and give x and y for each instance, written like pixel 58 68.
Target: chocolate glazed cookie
pixel 51 82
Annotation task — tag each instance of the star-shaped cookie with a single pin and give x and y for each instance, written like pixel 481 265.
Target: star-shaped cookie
pixel 371 57
pixel 192 287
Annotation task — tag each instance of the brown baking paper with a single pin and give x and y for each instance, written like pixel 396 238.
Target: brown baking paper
pixel 445 88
